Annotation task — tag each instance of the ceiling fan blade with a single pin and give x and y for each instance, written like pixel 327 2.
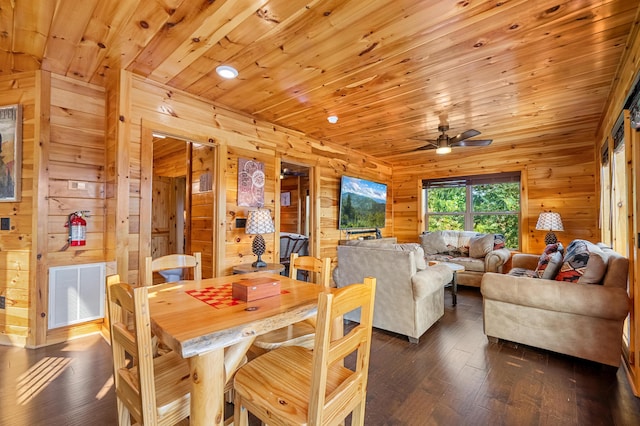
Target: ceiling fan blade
pixel 425 147
pixel 464 135
pixel 475 142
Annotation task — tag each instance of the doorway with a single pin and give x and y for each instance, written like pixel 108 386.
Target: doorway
pixel 295 198
pixel 296 211
pixel 183 199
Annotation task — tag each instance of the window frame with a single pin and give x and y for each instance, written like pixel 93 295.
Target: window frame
pixel 468 182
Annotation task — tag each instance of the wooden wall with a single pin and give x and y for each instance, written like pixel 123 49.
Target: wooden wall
pixel 557 175
pixel 290 220
pixel 62 147
pixel 136 107
pixel 17 266
pixel 623 85
pixel 203 196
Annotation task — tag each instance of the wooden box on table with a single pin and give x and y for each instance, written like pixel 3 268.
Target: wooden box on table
pixel 255 288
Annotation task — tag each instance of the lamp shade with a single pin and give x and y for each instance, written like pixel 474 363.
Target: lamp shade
pixel 549 221
pixel 259 222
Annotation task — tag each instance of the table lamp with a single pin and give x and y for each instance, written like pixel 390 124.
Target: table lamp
pixel 259 222
pixel 550 221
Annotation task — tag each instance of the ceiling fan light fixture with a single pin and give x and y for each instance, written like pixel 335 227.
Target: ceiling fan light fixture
pixel 226 71
pixel 443 150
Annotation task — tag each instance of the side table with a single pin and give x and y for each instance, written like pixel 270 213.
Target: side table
pixel 455 268
pixel 245 268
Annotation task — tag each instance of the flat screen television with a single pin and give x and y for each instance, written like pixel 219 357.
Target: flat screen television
pixel 363 204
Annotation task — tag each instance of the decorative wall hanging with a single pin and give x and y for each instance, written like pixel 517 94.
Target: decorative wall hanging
pixel 250 183
pixel 10 152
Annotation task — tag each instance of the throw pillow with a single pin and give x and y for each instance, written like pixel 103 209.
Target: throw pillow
pixel 546 257
pixel 596 268
pixel 575 262
pixel 553 266
pixel 481 245
pixel 433 243
pixel 499 241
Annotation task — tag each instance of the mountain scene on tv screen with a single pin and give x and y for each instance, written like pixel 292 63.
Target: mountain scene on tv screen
pixel 362 211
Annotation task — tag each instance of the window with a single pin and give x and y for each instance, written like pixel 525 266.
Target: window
pixel 486 204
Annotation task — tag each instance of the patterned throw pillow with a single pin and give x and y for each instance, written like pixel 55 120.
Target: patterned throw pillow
pixel 575 261
pixel 549 263
pixel 499 241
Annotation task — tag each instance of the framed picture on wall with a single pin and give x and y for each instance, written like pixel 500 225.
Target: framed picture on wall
pixel 250 183
pixel 285 199
pixel 10 152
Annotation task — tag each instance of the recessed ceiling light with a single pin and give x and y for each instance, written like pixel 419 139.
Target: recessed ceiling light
pixel 333 119
pixel 225 71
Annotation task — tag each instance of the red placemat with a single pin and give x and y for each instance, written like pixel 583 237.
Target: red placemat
pixel 218 297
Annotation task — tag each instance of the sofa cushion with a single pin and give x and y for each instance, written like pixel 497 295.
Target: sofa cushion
pixel 550 261
pixel 438 257
pixel 481 245
pixel 575 263
pixel 470 264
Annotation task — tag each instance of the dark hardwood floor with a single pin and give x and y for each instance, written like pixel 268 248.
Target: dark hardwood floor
pixel 454 376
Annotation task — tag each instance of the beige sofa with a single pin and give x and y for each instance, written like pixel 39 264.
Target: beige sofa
pixel 478 253
pixel 409 295
pixel 572 318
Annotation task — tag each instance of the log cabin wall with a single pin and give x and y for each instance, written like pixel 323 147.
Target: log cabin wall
pixel 556 175
pixel 62 172
pixel 17 262
pixel 75 172
pixel 623 85
pixel 136 105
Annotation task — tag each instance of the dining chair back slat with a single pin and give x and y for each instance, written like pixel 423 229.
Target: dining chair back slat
pixel 301 333
pixel 172 261
pixel 152 390
pixel 293 385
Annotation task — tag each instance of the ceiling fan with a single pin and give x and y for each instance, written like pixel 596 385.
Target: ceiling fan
pixel 289 172
pixel 444 143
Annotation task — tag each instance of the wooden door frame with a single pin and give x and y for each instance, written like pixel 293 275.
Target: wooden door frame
pixel 148 128
pixel 314 206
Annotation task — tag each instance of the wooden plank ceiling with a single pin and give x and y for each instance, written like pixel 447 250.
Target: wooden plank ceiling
pixel 515 70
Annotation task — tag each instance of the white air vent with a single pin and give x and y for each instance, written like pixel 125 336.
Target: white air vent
pixel 76 294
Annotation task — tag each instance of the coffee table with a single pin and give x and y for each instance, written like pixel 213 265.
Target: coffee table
pixel 455 268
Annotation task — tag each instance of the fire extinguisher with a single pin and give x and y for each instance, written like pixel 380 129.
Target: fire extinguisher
pixel 77 228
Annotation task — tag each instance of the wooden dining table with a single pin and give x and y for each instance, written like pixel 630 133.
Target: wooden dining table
pixel 200 321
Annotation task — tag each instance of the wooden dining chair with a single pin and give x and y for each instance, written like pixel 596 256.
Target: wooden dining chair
pixel 172 261
pixel 293 385
pixel 154 391
pixel 301 333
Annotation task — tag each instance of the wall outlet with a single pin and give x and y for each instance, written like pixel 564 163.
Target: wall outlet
pixel 5 224
pixel 2 302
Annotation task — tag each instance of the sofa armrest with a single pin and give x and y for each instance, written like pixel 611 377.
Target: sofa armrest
pixel 526 261
pixel 428 280
pixel 494 260
pixel 581 299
